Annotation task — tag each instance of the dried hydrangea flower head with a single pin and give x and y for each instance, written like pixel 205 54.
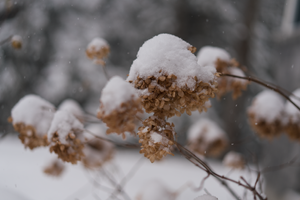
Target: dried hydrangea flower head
pixel 221 60
pixel 206 197
pixel 155 190
pixel 265 114
pixel 65 136
pixel 206 138
pixel 97 50
pixel 72 107
pixel 292 114
pixel 55 168
pixel 168 78
pixel 119 105
pixel 156 137
pixel 16 42
pixel 234 160
pixel 96 151
pixel 31 117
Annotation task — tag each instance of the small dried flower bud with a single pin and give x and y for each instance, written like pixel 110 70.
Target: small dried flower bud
pixel 97 50
pixel 66 136
pixel 119 105
pixel 156 138
pixel 31 117
pixel 55 168
pixel 234 160
pixel 265 114
pixel 16 42
pixel 206 138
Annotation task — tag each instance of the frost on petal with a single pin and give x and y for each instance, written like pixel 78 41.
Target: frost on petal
pixel 96 151
pixel 66 136
pixel 31 117
pixel 97 50
pixel 119 105
pixel 156 137
pixel 168 78
pixel 206 197
pixel 72 107
pixel 234 160
pixel 206 138
pixel 155 190
pixel 266 114
pixel 292 114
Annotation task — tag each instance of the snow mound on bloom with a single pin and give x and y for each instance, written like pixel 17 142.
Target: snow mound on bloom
pixel 234 159
pixel 97 44
pixel 34 111
pixel 169 54
pixel 290 110
pixel 72 107
pixel 268 106
pixel 208 55
pixel 206 197
pixel 116 92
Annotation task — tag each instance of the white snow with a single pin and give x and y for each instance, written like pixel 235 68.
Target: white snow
pixel 206 129
pixel 267 105
pixel 290 110
pixel 115 93
pixel 64 123
pixel 155 137
pixel 206 197
pixel 155 189
pixel 208 55
pixel 232 158
pixel 72 107
pixel 34 111
pixel 170 55
pixel 97 44
pixel 238 72
pixel 16 38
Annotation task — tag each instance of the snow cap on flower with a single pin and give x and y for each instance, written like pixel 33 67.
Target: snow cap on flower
pixel 155 190
pixel 32 117
pixel 266 114
pixel 16 42
pixel 234 160
pixel 292 115
pixel 206 197
pixel 119 104
pixel 65 136
pixel 96 151
pixel 168 78
pixel 97 50
pixel 208 56
pixel 72 107
pixel 207 138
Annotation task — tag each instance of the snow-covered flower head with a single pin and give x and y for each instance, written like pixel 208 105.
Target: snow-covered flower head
pixel 155 190
pixel 97 50
pixel 266 114
pixel 96 151
pixel 32 117
pixel 222 61
pixel 16 42
pixel 207 138
pixel 72 107
pixel 292 115
pixel 234 160
pixel 168 78
pixel 119 105
pixel 206 197
pixel 156 137
pixel 65 136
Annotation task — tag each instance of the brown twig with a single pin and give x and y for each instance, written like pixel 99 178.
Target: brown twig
pixel 265 85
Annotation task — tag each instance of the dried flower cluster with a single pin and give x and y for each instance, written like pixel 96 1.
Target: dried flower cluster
pixel 292 114
pixel 220 59
pixel 55 168
pixel 206 138
pixel 97 50
pixel 65 136
pixel 266 114
pixel 156 137
pixel 16 42
pixel 119 106
pixel 31 117
pixel 234 160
